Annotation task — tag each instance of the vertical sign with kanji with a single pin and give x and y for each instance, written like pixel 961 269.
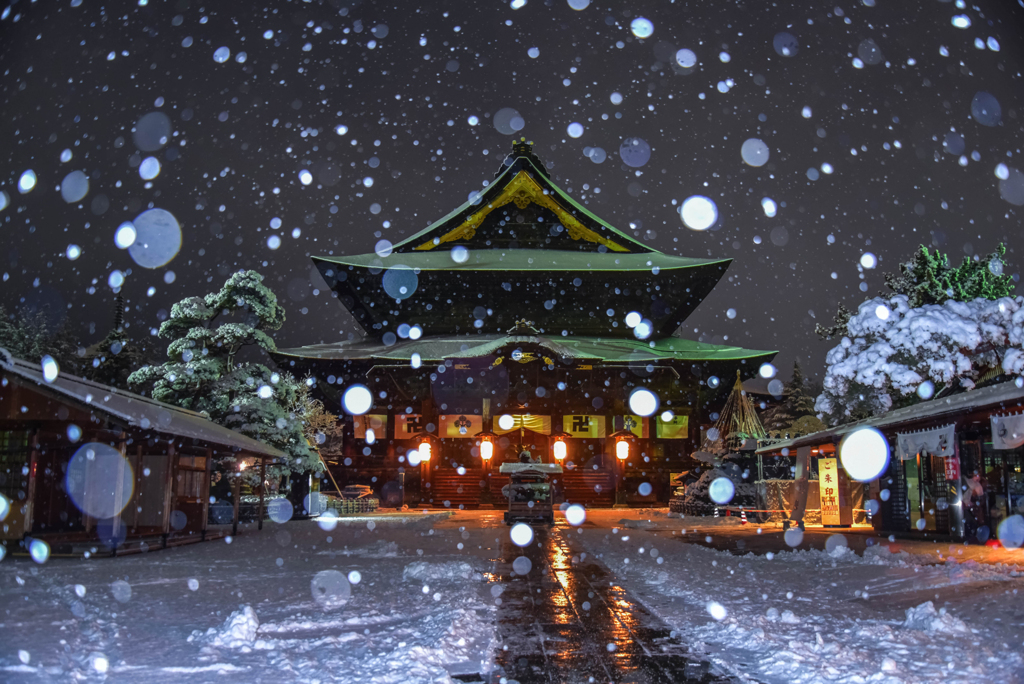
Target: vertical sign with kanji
pixel 953 469
pixel 828 485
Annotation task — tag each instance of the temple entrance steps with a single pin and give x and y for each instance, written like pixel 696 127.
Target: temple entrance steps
pixel 590 487
pixel 449 489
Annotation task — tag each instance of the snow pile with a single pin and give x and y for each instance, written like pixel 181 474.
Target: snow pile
pixel 238 631
pixel 438 572
pixel 926 619
pixel 810 616
pixel 268 605
pixel 892 349
pixel 697 492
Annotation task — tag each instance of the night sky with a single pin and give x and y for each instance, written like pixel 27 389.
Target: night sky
pixel 391 110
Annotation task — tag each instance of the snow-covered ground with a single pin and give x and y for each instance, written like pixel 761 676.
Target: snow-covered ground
pixel 272 605
pixel 821 616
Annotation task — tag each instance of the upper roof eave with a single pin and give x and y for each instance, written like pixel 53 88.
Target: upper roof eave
pixel 503 178
pixel 579 348
pixel 525 260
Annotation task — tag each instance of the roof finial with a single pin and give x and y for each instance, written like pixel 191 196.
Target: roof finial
pixel 119 312
pixel 522 148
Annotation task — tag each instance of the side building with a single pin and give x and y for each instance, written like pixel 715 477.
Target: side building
pixel 520 321
pixel 84 466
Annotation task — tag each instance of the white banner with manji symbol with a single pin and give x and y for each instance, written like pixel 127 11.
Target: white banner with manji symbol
pixel 461 425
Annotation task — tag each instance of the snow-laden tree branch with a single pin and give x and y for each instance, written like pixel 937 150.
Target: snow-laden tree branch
pixel 892 351
pixel 202 373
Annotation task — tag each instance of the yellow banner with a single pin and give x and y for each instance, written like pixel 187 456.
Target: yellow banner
pixel 828 486
pixel 376 422
pixel 407 425
pixel 461 425
pixel 638 425
pixel 677 428
pixel 502 424
pixel 584 426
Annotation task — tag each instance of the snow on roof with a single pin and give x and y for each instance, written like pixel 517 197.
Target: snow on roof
pixel 136 410
pixel 518 468
pixel 997 397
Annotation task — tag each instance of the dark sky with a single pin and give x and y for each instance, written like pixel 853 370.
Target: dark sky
pixel 79 74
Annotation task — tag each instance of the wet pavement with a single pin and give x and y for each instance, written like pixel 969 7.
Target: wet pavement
pixel 567 620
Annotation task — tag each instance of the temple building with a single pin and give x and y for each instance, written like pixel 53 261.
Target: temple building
pixel 520 322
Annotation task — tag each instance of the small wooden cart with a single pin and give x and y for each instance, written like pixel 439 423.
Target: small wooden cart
pixel 528 492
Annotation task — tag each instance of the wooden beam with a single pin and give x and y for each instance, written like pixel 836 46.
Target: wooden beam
pixel 263 487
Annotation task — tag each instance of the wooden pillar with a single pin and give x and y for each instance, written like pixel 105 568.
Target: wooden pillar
pixel 236 494
pixel 803 467
pixel 172 463
pixel 263 488
pixel 119 503
pixel 206 491
pixel 30 500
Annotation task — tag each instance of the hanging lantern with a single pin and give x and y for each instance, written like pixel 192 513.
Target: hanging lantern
pixel 424 451
pixel 486 449
pixel 559 449
pixel 622 449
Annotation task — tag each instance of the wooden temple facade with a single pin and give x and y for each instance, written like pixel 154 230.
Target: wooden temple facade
pixel 520 321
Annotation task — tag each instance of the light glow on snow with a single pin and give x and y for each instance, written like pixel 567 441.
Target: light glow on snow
pixel 50 368
pixel 721 490
pixel 521 534
pixel 27 181
pixel 643 402
pixel 864 454
pixel 698 212
pixel 125 236
pixel 357 400
pixel 641 27
pixel 575 515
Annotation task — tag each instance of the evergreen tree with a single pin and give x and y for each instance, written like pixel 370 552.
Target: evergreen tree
pixel 203 372
pixel 30 336
pixel 111 360
pixel 944 328
pixel 927 278
pixel 797 402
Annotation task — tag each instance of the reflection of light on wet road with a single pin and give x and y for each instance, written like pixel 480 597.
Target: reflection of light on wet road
pixel 564 621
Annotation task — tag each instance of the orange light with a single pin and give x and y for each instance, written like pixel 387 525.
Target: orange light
pixel 242 465
pixel 486 450
pixel 559 449
pixel 622 449
pixel 424 451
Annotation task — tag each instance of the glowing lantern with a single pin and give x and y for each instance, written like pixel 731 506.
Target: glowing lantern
pixel 486 449
pixel 424 451
pixel 559 449
pixel 622 449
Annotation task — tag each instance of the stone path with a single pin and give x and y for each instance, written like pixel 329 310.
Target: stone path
pixel 565 622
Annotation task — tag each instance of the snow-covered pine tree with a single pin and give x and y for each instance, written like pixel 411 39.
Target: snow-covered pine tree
pixel 967 325
pixel 797 402
pixel 204 372
pixel 31 335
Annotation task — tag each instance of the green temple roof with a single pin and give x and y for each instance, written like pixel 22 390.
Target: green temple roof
pixel 521 248
pixel 580 349
pixel 524 260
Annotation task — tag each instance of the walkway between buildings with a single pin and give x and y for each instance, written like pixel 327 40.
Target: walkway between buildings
pixel 564 621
